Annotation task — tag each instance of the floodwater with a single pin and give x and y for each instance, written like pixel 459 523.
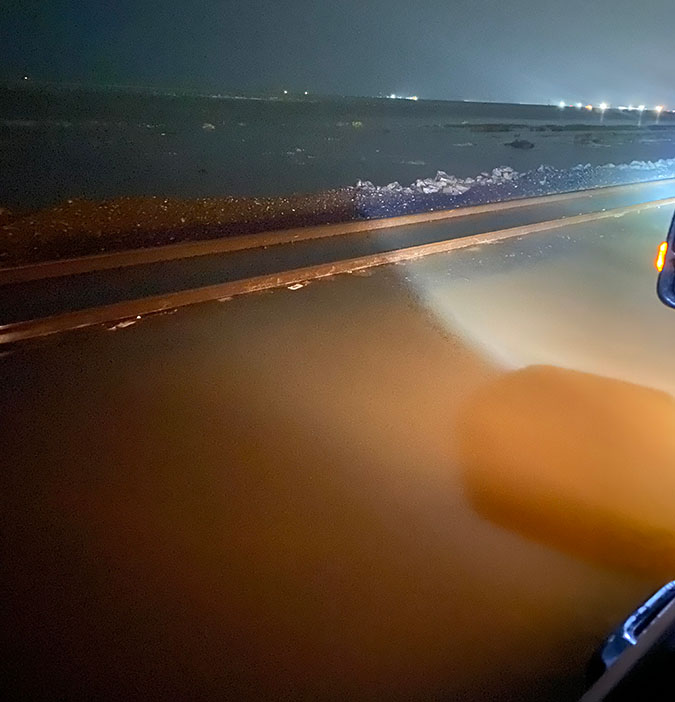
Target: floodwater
pixel 375 487
pixel 59 143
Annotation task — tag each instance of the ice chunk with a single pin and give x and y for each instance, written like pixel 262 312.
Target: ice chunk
pixel 501 182
pixel 123 324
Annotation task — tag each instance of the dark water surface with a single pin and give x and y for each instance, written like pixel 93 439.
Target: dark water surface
pixel 57 144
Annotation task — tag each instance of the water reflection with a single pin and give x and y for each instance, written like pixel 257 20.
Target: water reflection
pixel 577 461
pixel 260 499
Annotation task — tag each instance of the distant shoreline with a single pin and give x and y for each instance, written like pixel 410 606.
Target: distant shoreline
pixel 286 95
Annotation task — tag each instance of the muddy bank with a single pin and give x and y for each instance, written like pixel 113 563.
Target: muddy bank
pixel 83 227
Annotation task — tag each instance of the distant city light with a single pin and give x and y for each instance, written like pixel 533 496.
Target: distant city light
pixel 412 97
pixel 285 92
pixel 604 106
pixel 25 77
pixel 393 96
pixel 306 92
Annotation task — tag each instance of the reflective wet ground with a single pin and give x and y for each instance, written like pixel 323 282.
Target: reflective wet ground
pixel 447 479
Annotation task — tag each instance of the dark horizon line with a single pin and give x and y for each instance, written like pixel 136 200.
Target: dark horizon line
pixel 267 92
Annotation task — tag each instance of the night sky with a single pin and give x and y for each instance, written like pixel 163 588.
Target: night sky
pixel 619 51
